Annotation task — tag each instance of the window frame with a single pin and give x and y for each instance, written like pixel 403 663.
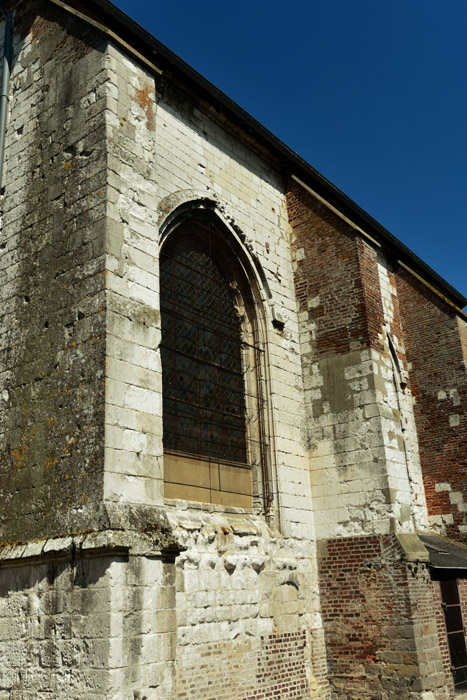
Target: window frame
pixel 456 638
pixel 237 272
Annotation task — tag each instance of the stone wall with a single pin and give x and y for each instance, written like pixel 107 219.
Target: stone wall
pixel 365 466
pixel 167 156
pixel 109 153
pixel 102 615
pixel 108 615
pixel 198 164
pixel 108 588
pixel 52 342
pixel 245 621
pixel 81 619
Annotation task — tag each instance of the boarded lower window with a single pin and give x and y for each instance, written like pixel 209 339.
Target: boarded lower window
pixel 204 411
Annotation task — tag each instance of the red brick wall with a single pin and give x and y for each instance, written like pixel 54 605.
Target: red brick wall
pixel 281 668
pixel 340 267
pixel 379 619
pixel 462 323
pixel 395 326
pixel 436 356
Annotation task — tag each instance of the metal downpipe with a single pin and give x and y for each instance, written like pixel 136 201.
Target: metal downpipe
pixel 6 67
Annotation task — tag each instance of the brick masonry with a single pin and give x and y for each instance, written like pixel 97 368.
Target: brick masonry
pixel 382 638
pixel 434 336
pixel 276 669
pixel 368 472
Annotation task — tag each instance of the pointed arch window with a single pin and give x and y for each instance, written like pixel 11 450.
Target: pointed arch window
pixel 204 401
pixel 214 447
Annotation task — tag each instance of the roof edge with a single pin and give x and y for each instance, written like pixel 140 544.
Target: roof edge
pixel 445 554
pixel 123 25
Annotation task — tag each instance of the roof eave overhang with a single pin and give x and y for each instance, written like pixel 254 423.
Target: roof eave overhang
pixel 445 555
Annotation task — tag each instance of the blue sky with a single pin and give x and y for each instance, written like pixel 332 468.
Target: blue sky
pixel 372 93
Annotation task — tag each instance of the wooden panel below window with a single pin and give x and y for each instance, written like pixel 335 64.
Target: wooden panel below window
pixel 207 481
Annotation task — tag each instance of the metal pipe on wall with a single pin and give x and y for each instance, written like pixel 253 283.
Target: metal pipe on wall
pixel 6 67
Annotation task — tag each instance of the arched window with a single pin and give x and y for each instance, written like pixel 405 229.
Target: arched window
pixel 212 428
pixel 204 403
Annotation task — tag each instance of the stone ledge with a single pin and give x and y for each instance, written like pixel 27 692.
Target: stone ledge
pixel 413 547
pixel 182 504
pixel 92 518
pixel 91 544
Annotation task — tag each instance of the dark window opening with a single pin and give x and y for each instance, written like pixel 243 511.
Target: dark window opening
pixel 455 632
pixel 201 351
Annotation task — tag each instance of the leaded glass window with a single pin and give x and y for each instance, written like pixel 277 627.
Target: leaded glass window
pixel 201 351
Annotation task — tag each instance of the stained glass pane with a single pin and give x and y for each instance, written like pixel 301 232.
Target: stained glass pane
pixel 203 386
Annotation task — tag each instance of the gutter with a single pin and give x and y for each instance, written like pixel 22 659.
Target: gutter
pixel 6 67
pixel 107 14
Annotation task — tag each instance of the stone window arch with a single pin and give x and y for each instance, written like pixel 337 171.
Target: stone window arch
pixel 213 370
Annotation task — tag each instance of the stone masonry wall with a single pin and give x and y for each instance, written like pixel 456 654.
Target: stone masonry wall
pixel 103 616
pixel 364 454
pixel 134 468
pixel 462 323
pixel 114 150
pixel 245 622
pixel 178 599
pixel 399 429
pixel 52 276
pixel 433 333
pixel 79 626
pixel 164 153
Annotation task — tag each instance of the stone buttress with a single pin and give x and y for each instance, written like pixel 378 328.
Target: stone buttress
pixel 379 602
pixel 108 588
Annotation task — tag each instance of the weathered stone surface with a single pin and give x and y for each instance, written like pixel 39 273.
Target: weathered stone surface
pixel 52 276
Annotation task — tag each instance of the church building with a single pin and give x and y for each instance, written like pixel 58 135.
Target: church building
pixel 233 406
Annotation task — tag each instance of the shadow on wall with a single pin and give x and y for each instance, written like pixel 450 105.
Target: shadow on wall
pixel 41 580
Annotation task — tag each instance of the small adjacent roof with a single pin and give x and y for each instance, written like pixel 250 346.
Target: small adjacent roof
pixel 108 15
pixel 445 553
